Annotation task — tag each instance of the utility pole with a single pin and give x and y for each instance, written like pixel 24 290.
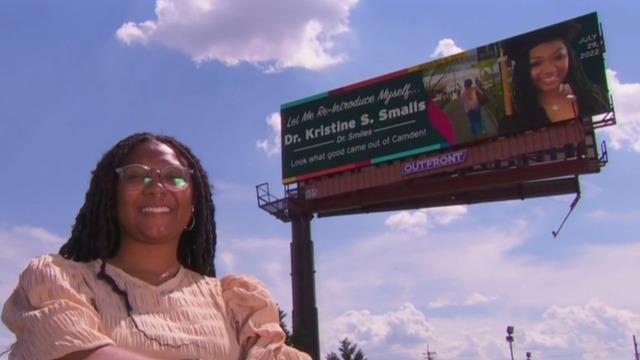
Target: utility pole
pixel 430 355
pixel 509 339
pixel 635 347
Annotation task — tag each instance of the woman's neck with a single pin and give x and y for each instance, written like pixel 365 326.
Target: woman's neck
pixel 559 93
pixel 559 104
pixel 153 264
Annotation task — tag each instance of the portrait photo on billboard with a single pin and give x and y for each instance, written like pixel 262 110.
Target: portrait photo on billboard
pixel 556 74
pixel 526 82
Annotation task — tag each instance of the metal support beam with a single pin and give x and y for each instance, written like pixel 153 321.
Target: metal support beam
pixel 306 335
pixel 430 187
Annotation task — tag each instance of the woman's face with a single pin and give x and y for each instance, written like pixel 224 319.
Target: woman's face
pixel 152 213
pixel 549 63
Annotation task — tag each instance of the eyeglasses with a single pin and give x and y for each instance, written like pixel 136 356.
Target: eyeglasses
pixel 137 176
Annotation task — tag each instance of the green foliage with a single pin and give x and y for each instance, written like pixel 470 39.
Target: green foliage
pixel 297 340
pixel 283 325
pixel 348 351
pixel 332 356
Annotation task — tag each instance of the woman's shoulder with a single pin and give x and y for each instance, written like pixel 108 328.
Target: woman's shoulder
pixel 227 283
pixel 53 268
pixel 246 292
pixel 239 294
pixel 244 284
pixel 53 263
pixel 49 277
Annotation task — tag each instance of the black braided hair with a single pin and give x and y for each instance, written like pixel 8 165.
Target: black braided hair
pixel 96 232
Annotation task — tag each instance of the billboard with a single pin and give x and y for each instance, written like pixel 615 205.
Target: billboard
pixel 533 80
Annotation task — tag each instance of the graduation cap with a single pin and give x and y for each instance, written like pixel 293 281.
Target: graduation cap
pixel 520 45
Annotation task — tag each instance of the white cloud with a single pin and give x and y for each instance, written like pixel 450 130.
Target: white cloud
pixel 446 215
pixel 230 191
pixel 456 262
pixel 414 222
pixel 419 221
pixel 404 265
pixel 271 145
pixel 131 33
pixel 615 217
pixel 440 303
pixel 626 99
pixel 476 282
pixel 268 259
pixel 590 331
pixel 592 189
pixel 473 299
pixel 478 299
pixel 37 234
pixel 445 47
pixel 227 260
pixel 271 35
pixel 381 334
pixel 19 245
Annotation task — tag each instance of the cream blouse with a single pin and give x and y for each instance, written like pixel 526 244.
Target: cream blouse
pixel 60 306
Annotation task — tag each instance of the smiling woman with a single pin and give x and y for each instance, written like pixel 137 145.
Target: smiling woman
pixel 549 82
pixel 136 279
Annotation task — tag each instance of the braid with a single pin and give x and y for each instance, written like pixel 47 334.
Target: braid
pixel 529 111
pixel 196 250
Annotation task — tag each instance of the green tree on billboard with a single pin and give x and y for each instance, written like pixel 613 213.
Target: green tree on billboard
pixel 432 84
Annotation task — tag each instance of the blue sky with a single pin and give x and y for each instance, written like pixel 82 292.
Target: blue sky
pixel 76 76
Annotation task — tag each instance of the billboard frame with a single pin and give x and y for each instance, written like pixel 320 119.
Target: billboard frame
pixel 327 119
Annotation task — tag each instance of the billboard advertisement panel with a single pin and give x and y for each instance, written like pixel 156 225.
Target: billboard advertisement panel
pixel 525 82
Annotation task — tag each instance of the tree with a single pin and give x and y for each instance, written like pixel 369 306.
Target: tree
pixel 296 340
pixel 332 356
pixel 348 351
pixel 283 325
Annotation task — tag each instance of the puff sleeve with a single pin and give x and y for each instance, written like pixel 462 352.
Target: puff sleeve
pixel 255 317
pixel 51 312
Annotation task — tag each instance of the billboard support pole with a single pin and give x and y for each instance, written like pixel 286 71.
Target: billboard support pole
pixel 305 312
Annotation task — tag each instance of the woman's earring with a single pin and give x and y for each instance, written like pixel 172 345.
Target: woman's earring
pixel 193 220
